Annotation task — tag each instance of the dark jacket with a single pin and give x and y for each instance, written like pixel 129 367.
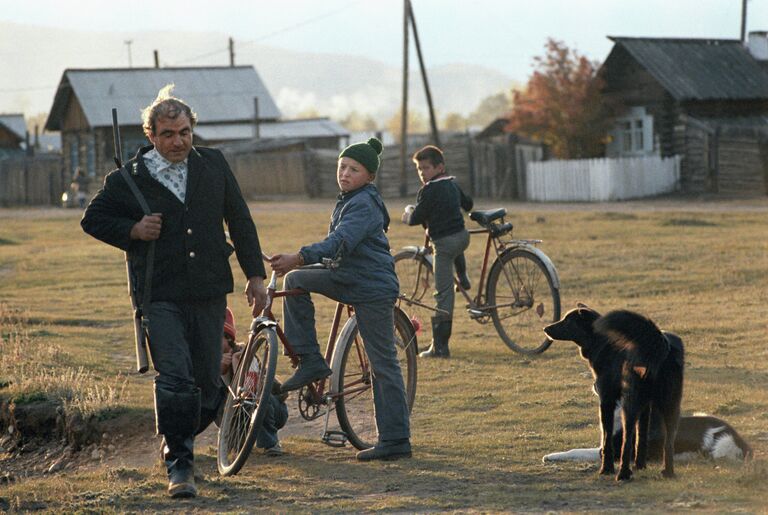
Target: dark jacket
pixel 438 207
pixel 192 254
pixel 356 234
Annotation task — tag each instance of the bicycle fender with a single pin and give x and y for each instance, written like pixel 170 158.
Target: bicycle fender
pixel 542 257
pixel 420 251
pixel 338 353
pixel 259 323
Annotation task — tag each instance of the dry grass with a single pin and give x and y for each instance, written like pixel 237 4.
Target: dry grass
pixel 482 420
pixel 33 369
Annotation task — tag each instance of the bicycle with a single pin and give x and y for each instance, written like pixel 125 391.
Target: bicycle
pixel 522 292
pixel 347 390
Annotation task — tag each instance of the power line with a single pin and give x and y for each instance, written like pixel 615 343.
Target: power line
pixel 287 28
pixel 302 23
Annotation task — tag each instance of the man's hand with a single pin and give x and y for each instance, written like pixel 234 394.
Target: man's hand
pixel 148 228
pixel 256 294
pixel 284 263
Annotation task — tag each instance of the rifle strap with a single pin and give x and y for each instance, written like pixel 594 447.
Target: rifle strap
pixel 150 249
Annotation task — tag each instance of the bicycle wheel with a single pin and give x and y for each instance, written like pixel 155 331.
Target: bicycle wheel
pixel 352 379
pixel 247 401
pixel 416 278
pixel 526 300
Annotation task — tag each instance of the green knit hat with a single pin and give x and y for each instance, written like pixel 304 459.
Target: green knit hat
pixel 367 154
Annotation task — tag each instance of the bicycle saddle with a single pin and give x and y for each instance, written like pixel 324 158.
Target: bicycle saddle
pixel 486 217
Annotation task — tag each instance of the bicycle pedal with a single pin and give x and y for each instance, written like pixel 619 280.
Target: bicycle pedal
pixel 475 313
pixel 335 438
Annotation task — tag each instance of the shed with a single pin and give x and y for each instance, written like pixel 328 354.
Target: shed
pixel 317 132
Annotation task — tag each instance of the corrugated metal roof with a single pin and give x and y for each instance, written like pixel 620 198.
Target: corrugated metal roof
pixel 698 69
pixel 307 128
pixel 15 123
pixel 216 94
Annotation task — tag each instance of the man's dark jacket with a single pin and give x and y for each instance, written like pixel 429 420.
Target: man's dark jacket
pixel 192 254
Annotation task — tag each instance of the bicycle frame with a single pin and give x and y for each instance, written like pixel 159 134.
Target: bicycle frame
pixel 318 388
pixel 477 306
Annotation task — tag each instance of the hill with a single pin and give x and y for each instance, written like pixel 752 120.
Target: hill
pixel 34 57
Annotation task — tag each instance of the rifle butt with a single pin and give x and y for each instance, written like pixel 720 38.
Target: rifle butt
pixel 142 359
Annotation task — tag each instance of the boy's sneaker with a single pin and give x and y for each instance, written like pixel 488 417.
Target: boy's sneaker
pixel 275 450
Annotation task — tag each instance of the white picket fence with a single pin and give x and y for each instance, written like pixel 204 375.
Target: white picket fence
pixel 602 179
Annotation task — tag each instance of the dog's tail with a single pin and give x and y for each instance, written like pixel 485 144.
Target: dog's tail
pixel 642 341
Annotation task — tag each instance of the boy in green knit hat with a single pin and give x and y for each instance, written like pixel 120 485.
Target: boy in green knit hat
pixel 365 279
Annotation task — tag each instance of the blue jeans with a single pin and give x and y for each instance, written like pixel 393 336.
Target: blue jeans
pixel 375 321
pixel 185 345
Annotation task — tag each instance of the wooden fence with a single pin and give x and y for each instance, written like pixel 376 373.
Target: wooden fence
pixel 602 179
pixel 32 180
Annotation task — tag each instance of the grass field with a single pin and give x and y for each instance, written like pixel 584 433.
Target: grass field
pixel 482 420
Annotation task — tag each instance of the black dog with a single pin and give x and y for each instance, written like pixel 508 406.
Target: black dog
pixel 636 364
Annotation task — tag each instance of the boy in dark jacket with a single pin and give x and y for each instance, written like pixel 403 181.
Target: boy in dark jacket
pixel 438 208
pixel 364 279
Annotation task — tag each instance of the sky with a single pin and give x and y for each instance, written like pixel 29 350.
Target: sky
pixel 503 35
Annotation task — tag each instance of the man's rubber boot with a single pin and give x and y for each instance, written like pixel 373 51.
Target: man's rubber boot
pixel 311 368
pixel 441 332
pixel 460 264
pixel 178 454
pixel 387 450
pixel 178 418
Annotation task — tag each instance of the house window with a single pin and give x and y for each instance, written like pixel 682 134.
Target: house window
pixel 626 136
pixel 632 135
pixel 637 137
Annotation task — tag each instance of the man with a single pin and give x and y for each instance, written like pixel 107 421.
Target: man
pixel 190 192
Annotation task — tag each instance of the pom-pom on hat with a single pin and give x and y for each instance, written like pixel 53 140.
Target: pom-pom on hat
pixel 367 154
pixel 229 325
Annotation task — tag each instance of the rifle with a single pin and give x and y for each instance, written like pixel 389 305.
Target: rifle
pixel 140 321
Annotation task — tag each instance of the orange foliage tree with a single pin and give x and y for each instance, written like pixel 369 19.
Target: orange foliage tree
pixel 562 106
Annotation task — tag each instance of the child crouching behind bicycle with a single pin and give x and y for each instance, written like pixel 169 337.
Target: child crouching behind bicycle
pixel 438 208
pixel 277 415
pixel 364 279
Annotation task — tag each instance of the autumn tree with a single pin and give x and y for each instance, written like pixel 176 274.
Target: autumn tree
pixel 562 106
pixel 417 123
pixel 453 122
pixel 491 108
pixel 356 121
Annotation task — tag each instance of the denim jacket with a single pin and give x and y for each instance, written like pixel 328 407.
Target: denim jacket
pixel 356 234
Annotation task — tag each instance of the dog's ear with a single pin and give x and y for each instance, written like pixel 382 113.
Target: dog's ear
pixel 586 311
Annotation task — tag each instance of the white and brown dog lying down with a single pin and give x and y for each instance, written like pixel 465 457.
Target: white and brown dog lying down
pixel 697 435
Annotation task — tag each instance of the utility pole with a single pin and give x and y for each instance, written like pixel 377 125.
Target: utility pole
pixel 128 43
pixel 743 21
pixel 404 107
pixel 428 94
pixel 256 132
pixel 231 52
pixel 157 59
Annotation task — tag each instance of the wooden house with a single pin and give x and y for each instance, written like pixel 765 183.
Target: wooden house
pixel 703 99
pixel 13 134
pixel 222 97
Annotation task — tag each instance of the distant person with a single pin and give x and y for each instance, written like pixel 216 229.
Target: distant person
pixel 438 208
pixel 80 183
pixel 365 279
pixel 277 411
pixel 191 192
